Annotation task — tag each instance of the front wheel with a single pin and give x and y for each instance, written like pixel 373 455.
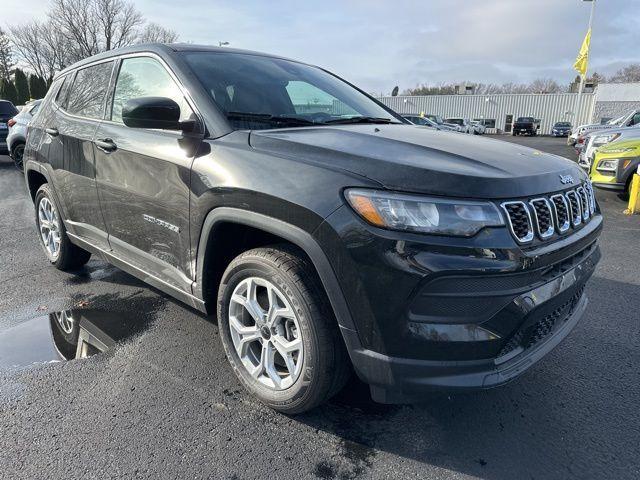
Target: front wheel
pixel 278 330
pixel 63 254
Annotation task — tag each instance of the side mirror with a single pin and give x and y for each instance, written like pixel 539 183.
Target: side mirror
pixel 154 112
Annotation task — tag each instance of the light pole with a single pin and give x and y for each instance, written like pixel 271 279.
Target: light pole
pixel 222 44
pixel 583 77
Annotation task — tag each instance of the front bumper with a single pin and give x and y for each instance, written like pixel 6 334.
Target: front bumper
pixel 442 312
pixel 549 314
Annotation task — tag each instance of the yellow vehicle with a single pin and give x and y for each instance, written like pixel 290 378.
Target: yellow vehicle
pixel 614 165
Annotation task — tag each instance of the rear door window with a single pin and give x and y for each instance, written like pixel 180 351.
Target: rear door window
pixel 87 95
pixel 63 93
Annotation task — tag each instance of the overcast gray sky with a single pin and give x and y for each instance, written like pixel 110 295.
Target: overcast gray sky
pixel 379 44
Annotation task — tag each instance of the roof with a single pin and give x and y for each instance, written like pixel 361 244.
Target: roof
pixel 160 48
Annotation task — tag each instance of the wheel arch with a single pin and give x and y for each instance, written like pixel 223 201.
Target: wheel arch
pixel 35 178
pixel 217 232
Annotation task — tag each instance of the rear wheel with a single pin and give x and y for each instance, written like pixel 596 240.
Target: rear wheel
pixel 278 330
pixel 17 152
pixel 63 254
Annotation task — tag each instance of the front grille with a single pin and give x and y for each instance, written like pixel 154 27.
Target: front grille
pixel 543 217
pixel 542 214
pixel 584 203
pixel 519 220
pixel 574 208
pixel 561 212
pixel 531 335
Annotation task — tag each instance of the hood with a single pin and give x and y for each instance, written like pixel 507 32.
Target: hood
pixel 626 148
pixel 410 159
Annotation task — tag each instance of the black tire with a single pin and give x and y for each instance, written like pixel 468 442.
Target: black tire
pixel 70 256
pixel 65 330
pixel 326 367
pixel 514 134
pixel 17 152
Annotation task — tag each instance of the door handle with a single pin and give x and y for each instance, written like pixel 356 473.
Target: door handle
pixel 106 145
pixel 52 131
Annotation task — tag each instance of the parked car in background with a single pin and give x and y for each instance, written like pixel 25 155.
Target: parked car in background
pixel 614 165
pixel 561 129
pixel 526 126
pixel 7 111
pixel 462 124
pixel 630 119
pixel 599 138
pixel 438 120
pixel 326 241
pixel 419 120
pixel 478 128
pixel 17 136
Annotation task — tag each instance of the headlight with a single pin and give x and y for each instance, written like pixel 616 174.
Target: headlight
pixel 608 165
pixel 603 139
pixel 416 213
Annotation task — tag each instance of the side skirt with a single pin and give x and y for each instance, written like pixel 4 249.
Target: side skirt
pixel 146 277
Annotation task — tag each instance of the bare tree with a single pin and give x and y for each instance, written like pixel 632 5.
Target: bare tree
pixel 6 58
pixel 41 46
pixel 628 74
pixel 119 22
pixel 77 29
pixel 154 33
pixel 544 85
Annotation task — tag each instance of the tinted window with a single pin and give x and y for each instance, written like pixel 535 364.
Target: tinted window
pixel 525 119
pixel 86 97
pixel 635 120
pixel 7 108
pixel 63 93
pixel 145 77
pixel 256 85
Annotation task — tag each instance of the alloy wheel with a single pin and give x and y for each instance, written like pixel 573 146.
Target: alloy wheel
pixel 65 320
pixel 266 334
pixel 49 224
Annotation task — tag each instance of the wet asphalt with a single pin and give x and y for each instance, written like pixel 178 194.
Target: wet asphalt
pixel 163 403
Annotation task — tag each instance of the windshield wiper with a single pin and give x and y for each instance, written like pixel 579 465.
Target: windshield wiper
pixel 361 119
pixel 268 118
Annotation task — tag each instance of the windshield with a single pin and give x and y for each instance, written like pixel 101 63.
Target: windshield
pixel 257 92
pixel 563 124
pixel 525 119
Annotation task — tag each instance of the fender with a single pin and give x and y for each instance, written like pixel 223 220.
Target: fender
pixel 302 239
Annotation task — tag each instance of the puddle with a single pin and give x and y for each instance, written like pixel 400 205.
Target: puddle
pixel 67 335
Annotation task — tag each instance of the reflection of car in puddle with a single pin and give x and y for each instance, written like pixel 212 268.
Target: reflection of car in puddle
pixel 66 335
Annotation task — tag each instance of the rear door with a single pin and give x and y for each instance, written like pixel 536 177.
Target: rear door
pixel 143 177
pixel 72 154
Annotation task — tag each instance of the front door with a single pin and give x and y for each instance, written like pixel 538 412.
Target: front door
pixel 143 178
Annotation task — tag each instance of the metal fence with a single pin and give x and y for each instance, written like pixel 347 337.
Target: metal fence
pixel 549 108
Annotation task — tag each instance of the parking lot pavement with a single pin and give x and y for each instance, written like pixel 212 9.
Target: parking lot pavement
pixel 164 403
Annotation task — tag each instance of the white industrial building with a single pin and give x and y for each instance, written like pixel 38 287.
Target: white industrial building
pixel 609 100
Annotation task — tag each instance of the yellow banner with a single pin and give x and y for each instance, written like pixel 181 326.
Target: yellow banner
pixel 582 60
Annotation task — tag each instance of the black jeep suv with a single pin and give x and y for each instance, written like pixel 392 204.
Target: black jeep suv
pixel 327 233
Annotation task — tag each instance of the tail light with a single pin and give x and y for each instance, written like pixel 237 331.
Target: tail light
pixel 11 122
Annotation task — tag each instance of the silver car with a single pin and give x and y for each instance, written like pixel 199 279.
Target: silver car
pixel 17 136
pixel 603 137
